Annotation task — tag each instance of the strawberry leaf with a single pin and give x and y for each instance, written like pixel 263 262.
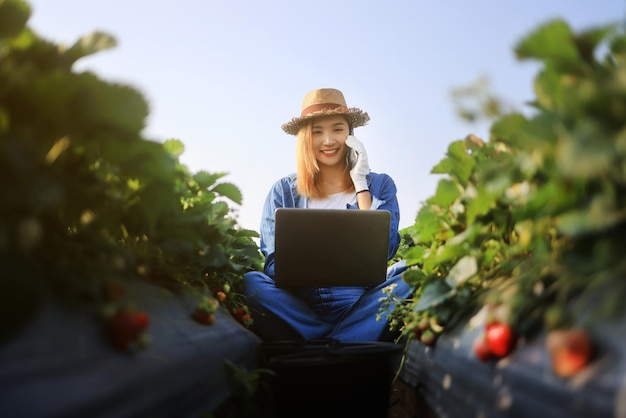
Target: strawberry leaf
pixel 465 268
pixel 228 190
pixel 434 294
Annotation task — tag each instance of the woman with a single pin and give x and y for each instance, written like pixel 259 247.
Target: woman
pixel 332 172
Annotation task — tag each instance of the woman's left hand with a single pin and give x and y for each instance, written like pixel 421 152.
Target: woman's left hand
pixel 358 162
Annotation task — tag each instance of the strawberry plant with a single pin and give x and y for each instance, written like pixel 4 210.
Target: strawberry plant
pixel 88 203
pixel 531 223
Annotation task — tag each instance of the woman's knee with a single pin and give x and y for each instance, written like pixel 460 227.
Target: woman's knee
pixel 255 280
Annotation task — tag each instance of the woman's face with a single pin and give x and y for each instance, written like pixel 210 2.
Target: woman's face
pixel 329 140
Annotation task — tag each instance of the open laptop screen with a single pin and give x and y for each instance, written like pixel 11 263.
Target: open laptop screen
pixel 331 247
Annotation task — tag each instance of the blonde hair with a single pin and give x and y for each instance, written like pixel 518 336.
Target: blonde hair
pixel 307 168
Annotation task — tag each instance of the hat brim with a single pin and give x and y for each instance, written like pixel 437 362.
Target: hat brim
pixel 356 118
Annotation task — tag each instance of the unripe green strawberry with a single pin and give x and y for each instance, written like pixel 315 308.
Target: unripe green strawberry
pixel 428 338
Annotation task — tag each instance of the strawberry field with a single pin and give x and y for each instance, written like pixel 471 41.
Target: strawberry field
pixel 90 205
pixel 524 235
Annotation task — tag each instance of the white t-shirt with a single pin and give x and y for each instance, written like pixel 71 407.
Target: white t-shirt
pixel 334 201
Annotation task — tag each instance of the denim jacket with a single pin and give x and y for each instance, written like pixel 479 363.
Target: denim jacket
pixel 284 195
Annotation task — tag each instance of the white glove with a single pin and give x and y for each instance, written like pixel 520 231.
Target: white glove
pixel 359 167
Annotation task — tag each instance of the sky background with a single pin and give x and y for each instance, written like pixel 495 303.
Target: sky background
pixel 224 76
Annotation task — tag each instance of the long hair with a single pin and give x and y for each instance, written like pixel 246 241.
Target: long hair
pixel 307 167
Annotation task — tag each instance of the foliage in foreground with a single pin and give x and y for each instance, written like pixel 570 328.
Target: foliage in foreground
pixel 89 204
pixel 530 225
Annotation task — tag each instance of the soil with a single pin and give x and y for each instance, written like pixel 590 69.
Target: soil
pixel 405 402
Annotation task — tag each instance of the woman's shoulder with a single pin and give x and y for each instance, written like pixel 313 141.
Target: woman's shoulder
pixel 284 184
pixel 380 176
pixel 381 181
pixel 289 180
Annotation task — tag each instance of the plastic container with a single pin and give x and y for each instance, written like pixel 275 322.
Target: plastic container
pixel 330 378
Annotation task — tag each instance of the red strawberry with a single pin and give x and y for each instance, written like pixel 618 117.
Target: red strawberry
pixel 570 350
pixel 246 320
pixel 417 332
pixel 481 349
pixel 221 296
pixel 424 324
pixel 204 317
pixel 142 320
pixel 125 326
pixel 500 339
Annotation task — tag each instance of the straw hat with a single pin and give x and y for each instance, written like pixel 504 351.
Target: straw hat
pixel 325 102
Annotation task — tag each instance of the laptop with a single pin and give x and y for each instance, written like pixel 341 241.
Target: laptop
pixel 331 247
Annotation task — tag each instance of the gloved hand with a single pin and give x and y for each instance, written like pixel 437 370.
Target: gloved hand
pixel 357 158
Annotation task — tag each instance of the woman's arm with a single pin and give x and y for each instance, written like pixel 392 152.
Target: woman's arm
pixel 364 200
pixel 384 191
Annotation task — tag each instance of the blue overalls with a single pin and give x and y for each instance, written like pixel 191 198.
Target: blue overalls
pixel 341 313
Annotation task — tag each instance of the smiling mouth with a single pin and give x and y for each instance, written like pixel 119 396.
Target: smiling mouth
pixel 330 151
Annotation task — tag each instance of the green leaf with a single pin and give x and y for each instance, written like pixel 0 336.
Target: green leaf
pixel 434 294
pixel 481 204
pixel 24 40
pixel 49 98
pixel 447 192
pixel 551 198
pixel 601 214
pixel 427 223
pixel 553 42
pixel 247 233
pixel 458 163
pixel 588 40
pixel 414 276
pixel 206 179
pixel 618 48
pixel 448 252
pixel 465 268
pixel 13 17
pixel 215 257
pixel 585 153
pixel 101 105
pixel 219 210
pixel 144 159
pixel 509 129
pixel 153 205
pixel 552 91
pixel 90 44
pixel 174 147
pixel 228 190
pixel 414 255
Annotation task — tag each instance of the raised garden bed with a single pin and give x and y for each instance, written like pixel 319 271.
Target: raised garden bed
pixel 62 364
pixel 454 383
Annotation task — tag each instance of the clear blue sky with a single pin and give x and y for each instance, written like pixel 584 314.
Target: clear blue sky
pixel 223 76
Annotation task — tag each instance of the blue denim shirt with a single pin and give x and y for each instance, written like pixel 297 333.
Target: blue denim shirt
pixel 284 195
